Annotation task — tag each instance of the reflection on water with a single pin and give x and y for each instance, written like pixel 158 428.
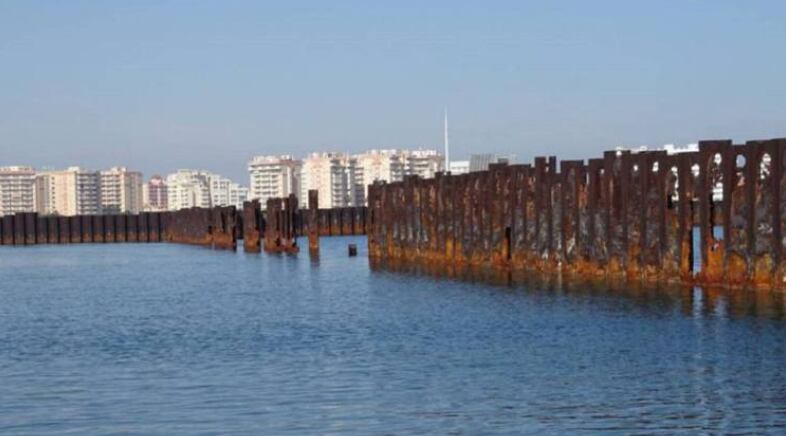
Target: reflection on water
pixel 691 300
pixel 176 339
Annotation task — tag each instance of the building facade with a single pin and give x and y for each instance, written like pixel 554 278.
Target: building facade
pixel 17 190
pixel 424 163
pixel 273 176
pixel 154 195
pixel 379 165
pixel 121 191
pixel 225 192
pixel 188 188
pixel 73 191
pixel 342 180
pixel 194 188
pixel 335 176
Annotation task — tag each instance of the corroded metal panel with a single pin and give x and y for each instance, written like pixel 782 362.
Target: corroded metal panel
pixel 86 221
pixel 31 228
pixel 629 215
pixel 154 234
pixel 252 233
pixel 143 227
pixel 132 228
pixel 99 233
pixel 110 228
pixel 53 229
pixel 75 227
pixel 42 229
pixel 20 233
pixel 121 228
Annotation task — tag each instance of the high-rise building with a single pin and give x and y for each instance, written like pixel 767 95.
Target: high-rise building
pixel 188 188
pixel 238 195
pixel 73 191
pixel 383 165
pixel 423 163
pixel 193 188
pixel 17 190
pixel 154 195
pixel 273 176
pixel 335 176
pixel 121 190
pixel 225 192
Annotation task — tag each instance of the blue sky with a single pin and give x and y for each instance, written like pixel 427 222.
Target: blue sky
pixel 161 85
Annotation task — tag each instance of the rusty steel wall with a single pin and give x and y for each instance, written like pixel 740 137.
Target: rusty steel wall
pixel 623 216
pixel 280 225
pixel 214 227
pixel 253 226
pixel 341 221
pixel 218 227
pixel 312 221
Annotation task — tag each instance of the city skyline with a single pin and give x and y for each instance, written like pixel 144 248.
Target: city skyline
pixel 340 178
pixel 210 85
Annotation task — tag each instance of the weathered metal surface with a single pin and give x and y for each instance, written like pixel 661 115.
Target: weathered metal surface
pixel 132 228
pixel 312 221
pixel 335 222
pixel 121 228
pixel 628 215
pixel 347 220
pixel 75 227
pixel 216 227
pixel 86 223
pixel 42 230
pixel 31 228
pixel 143 227
pixel 99 233
pixel 280 229
pixel 19 229
pixel 252 226
pixel 155 225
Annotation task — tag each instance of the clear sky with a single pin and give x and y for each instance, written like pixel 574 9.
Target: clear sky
pixel 161 85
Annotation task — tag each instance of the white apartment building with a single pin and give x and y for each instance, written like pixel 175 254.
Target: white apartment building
pixel 17 190
pixel 188 188
pixel 73 191
pixel 273 176
pixel 121 191
pixel 335 176
pixel 383 165
pixel 238 195
pixel 343 180
pixel 225 192
pixel 194 188
pixel 423 163
pixel 154 195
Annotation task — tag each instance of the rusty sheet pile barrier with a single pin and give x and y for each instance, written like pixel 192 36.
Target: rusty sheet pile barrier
pixel 627 215
pixel 217 227
pixel 31 229
pixel 280 228
pixel 311 221
pixel 277 227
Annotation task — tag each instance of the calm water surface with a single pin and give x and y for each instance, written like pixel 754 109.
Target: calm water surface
pixel 177 339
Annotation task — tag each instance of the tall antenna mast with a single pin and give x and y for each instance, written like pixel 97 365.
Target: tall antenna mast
pixel 447 149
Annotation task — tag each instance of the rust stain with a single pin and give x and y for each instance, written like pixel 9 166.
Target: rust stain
pixel 626 216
